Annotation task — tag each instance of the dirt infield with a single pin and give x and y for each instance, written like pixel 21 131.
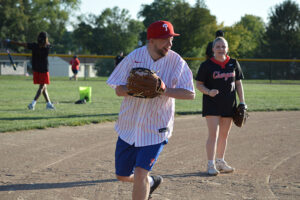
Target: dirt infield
pixel 77 163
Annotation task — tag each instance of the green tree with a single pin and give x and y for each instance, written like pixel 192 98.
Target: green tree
pixel 119 32
pixel 195 25
pixel 23 19
pixel 109 33
pixel 13 20
pixel 104 67
pixel 83 34
pixel 283 31
pixel 233 37
pixel 67 44
pixel 251 39
pixel 245 37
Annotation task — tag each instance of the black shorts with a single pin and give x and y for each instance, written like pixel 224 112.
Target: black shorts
pixel 75 71
pixel 217 108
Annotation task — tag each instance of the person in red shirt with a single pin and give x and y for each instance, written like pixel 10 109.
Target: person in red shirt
pixel 75 67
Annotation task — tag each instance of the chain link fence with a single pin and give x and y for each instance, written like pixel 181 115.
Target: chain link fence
pixel 271 70
pixel 260 69
pixel 263 69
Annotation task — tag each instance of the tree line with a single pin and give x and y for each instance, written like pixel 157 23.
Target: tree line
pixel 114 31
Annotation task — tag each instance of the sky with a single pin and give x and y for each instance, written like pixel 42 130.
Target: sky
pixel 228 12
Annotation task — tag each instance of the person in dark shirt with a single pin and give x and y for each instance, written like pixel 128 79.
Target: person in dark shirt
pixel 209 53
pixel 219 79
pixel 40 67
pixel 119 58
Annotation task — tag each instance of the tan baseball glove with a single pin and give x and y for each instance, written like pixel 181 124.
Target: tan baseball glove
pixel 144 83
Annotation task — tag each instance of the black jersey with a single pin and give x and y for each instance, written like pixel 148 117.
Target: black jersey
pixel 220 76
pixel 39 57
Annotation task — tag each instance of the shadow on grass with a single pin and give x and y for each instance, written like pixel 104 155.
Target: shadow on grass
pixel 59 117
pixel 44 186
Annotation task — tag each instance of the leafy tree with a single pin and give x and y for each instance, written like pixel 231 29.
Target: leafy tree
pixel 193 23
pixel 283 38
pixel 158 10
pixel 245 37
pixel 13 20
pixel 109 33
pixel 197 27
pixel 104 67
pixel 22 20
pixel 254 24
pixel 197 32
pixel 233 37
pixel 67 44
pixel 83 34
pixel 252 37
pixel 283 31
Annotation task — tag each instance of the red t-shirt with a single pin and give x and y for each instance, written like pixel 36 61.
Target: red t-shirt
pixel 75 63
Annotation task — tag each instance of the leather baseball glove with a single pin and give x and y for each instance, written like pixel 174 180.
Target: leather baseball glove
pixel 144 83
pixel 240 115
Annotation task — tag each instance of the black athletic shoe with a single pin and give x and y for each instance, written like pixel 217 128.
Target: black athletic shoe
pixel 157 181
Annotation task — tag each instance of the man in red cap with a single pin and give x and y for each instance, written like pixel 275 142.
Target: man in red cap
pixel 145 125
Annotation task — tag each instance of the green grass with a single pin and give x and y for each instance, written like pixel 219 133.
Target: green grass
pixel 18 91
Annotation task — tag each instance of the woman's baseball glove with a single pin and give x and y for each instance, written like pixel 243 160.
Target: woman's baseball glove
pixel 240 115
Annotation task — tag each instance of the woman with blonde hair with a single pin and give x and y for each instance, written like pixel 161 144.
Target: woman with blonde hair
pixel 219 79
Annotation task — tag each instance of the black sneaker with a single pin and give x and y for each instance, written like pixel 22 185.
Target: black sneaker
pixel 81 101
pixel 157 181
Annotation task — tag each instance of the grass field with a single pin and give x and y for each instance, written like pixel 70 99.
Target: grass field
pixel 18 91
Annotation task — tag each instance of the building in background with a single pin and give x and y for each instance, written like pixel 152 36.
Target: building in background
pixel 58 66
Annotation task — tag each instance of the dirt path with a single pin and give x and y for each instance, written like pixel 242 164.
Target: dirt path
pixel 77 163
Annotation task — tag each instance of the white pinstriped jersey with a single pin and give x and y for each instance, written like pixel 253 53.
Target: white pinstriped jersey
pixel 144 122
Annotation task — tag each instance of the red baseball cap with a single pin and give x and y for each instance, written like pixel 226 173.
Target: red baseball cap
pixel 160 29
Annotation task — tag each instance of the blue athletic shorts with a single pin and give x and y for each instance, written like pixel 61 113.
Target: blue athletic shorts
pixel 127 157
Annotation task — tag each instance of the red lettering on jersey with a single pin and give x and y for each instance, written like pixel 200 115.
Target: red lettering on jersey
pixel 217 75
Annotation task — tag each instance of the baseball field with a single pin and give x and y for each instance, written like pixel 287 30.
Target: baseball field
pixel 18 91
pixel 42 158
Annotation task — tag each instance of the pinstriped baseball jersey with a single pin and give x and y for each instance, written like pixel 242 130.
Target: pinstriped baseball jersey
pixel 144 122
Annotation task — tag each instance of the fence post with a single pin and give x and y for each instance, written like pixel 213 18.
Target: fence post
pixel 85 71
pixel 25 67
pixel 270 72
pixel 85 74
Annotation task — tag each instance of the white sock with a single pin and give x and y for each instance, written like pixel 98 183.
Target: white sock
pixel 150 179
pixel 220 160
pixel 33 102
pixel 211 162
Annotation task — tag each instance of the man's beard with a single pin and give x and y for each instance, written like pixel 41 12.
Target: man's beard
pixel 161 52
